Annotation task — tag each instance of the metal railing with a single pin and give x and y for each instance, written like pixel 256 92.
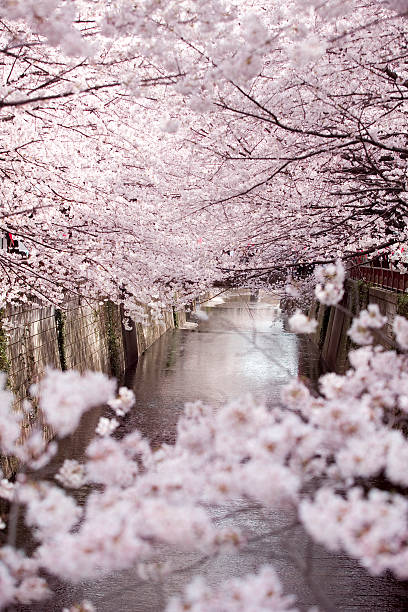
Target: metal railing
pixel 388 279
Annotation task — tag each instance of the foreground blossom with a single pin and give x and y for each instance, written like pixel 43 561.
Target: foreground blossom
pixel 297 455
pixel 329 289
pixel 62 402
pixel 261 591
pixel 301 324
pixel 123 402
pixel 6 489
pixel 106 426
pixel 400 328
pixel 71 474
pixel 362 327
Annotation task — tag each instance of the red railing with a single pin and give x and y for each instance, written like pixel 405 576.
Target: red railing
pixel 389 279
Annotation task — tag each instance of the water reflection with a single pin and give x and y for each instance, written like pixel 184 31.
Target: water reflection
pixel 242 348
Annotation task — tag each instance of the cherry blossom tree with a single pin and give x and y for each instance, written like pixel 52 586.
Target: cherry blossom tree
pixel 298 157
pixel 311 158
pixel 149 149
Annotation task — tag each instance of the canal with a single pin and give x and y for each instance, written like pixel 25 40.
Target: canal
pixel 239 346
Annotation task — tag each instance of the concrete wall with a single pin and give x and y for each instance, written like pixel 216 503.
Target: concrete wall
pixel 81 335
pixel 151 330
pixel 84 331
pixel 30 344
pixel 333 323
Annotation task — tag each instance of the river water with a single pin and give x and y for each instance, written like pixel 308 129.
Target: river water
pixel 241 348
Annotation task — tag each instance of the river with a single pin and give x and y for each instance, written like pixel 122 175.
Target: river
pixel 241 348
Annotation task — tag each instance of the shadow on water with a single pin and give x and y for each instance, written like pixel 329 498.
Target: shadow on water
pixel 241 348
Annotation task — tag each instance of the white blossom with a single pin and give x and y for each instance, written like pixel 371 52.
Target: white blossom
pixel 106 426
pixel 71 474
pixel 329 294
pixel 292 290
pixel 400 329
pixel 333 273
pixel 65 396
pixel 362 326
pixel 7 489
pixel 295 394
pixel 302 324
pixel 124 402
pixel 329 289
pixel 170 126
pixel 261 591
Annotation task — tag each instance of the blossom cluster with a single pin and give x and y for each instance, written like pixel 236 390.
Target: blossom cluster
pixel 261 591
pixel 311 453
pixel 330 278
pixel 367 322
pixel 370 527
pixel 302 324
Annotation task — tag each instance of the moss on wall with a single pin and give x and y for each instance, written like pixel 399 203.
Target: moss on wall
pixel 4 362
pixel 112 338
pixel 324 325
pixel 363 289
pixel 28 347
pixel 60 326
pixel 175 318
pixel 402 305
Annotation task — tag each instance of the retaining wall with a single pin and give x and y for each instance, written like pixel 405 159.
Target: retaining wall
pixel 81 335
pixel 333 323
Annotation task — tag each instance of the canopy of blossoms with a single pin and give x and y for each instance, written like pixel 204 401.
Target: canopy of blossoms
pixel 141 143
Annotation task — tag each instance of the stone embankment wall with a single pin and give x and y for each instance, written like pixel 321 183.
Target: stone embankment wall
pixel 333 323
pixel 81 335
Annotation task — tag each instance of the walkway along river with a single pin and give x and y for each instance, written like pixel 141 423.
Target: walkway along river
pixel 242 348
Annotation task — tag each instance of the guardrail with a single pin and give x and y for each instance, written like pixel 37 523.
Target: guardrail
pixel 388 279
